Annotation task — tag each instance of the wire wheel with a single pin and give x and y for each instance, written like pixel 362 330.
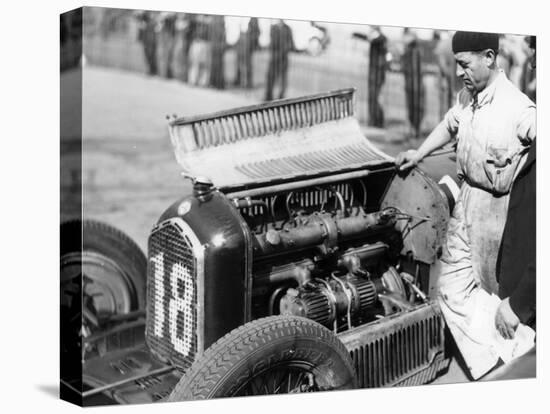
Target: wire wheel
pixel 103 275
pixel 273 355
pixel 107 290
pixel 282 379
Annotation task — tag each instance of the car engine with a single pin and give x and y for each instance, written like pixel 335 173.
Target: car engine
pixel 294 212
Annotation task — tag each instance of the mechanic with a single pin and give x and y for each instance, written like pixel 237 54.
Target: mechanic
pixel 494 124
pixel 516 264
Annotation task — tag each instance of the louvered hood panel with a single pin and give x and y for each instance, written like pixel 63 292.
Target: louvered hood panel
pixel 276 141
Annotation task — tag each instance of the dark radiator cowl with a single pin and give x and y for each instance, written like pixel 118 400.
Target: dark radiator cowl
pixel 205 249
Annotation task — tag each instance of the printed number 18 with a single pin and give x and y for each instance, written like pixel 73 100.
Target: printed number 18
pixel 180 311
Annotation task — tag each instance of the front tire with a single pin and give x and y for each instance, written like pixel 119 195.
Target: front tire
pixel 273 355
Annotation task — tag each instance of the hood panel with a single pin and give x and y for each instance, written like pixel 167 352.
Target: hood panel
pixel 280 140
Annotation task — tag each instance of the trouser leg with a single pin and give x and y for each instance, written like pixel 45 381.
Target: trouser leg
pixel 284 78
pixel 371 102
pixel 462 300
pixel 248 65
pixel 170 48
pixel 270 81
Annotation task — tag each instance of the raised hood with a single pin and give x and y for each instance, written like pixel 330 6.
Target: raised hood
pixel 277 141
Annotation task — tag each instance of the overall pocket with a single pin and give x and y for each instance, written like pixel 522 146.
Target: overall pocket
pixel 501 166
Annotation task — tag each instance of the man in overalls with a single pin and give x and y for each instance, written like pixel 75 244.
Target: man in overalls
pixel 494 124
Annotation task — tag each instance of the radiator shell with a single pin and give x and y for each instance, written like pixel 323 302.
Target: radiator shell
pixel 219 241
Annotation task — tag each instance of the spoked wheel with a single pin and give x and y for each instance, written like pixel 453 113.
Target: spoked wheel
pixel 284 379
pixel 103 275
pixel 274 355
pixel 106 288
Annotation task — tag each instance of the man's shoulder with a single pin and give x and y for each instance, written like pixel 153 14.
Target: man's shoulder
pixel 511 94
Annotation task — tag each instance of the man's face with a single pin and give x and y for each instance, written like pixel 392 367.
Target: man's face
pixel 474 69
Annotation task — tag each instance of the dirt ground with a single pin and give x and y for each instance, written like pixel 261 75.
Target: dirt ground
pixel 129 173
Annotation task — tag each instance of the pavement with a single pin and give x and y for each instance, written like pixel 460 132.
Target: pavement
pixel 129 174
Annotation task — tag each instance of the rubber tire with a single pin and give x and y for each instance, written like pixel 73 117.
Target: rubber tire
pixel 107 240
pixel 260 344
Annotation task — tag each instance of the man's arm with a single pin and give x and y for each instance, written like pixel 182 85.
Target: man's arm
pixel 523 300
pixel 440 136
pixel 520 306
pixel 360 36
pixel 527 125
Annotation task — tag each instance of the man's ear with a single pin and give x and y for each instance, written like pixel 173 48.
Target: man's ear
pixel 490 56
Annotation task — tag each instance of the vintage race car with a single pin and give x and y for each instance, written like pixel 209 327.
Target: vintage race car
pixel 301 261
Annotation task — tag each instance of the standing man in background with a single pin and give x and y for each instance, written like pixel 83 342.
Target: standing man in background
pixel 148 36
pixel 450 84
pixel 188 27
pixel 247 44
pixel 168 41
pixel 494 124
pixel 218 46
pixel 377 76
pixel 200 52
pixel 281 44
pixel 414 84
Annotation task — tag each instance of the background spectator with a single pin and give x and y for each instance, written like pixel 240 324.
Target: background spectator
pixel 281 44
pixel 376 76
pixel 147 35
pixel 414 83
pixel 510 58
pixel 200 53
pixel 248 42
pixel 168 41
pixel 218 46
pixel 188 27
pixel 450 84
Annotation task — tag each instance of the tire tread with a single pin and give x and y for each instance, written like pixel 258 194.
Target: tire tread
pixel 201 378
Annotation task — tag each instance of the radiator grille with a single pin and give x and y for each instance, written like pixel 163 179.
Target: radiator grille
pixel 171 329
pixel 405 354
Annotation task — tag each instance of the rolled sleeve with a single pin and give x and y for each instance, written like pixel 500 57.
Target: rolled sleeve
pixel 527 125
pixel 451 119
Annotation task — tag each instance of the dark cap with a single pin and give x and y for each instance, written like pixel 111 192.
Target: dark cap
pixel 474 42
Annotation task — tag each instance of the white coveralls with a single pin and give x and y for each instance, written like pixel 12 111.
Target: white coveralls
pixel 493 134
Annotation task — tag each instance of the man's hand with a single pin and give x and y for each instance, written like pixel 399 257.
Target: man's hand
pixel 506 321
pixel 407 160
